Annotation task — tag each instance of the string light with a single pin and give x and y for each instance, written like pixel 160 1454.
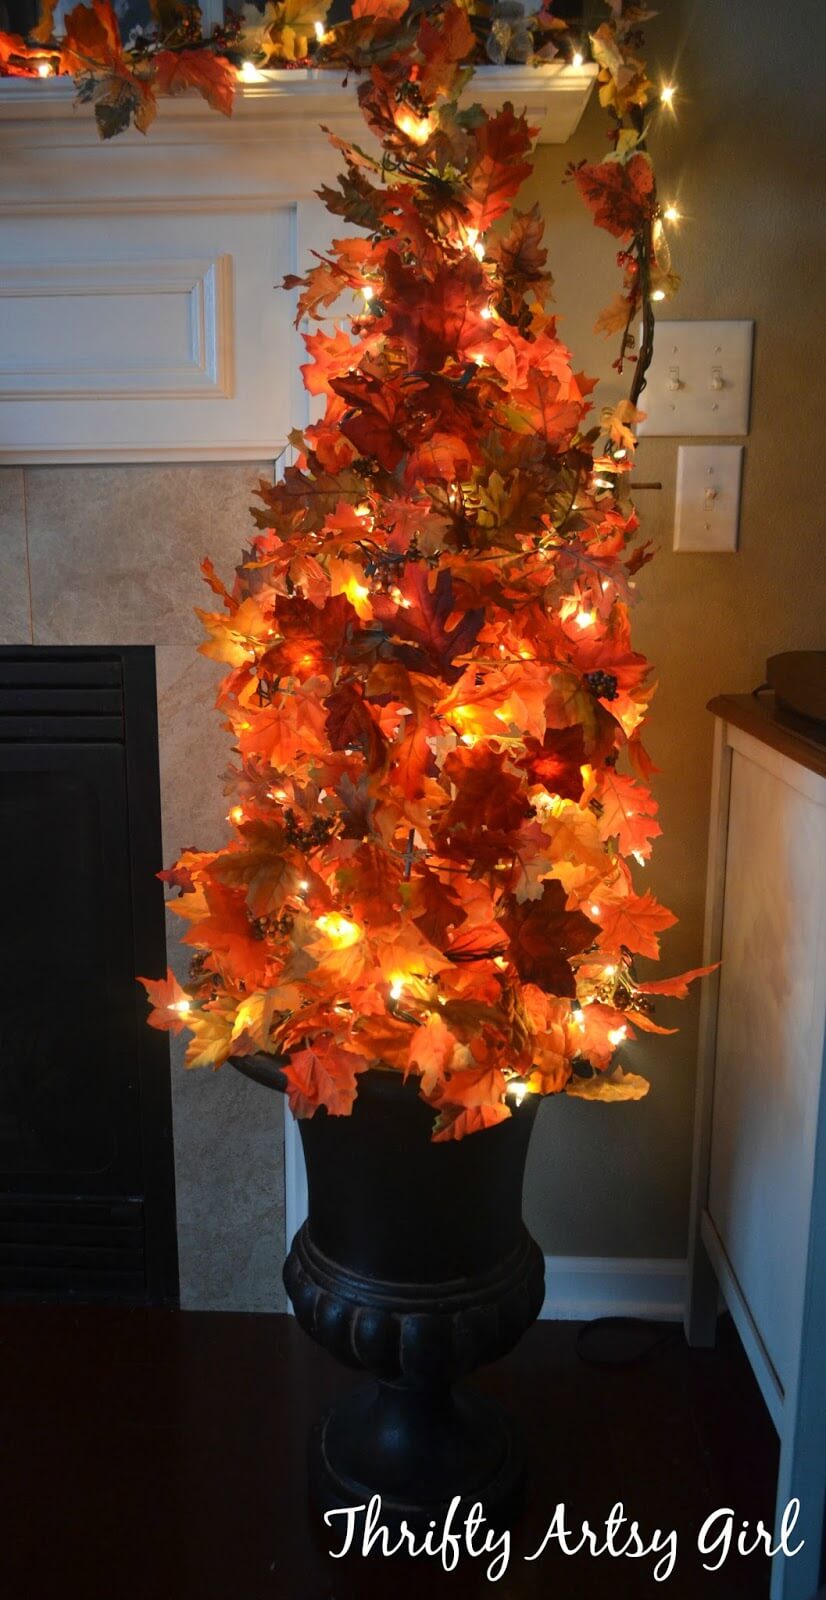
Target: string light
pixel 516 1092
pixel 667 94
pixel 610 972
pixel 368 292
pixel 318 29
pixel 181 1006
pixel 418 129
pixel 396 988
pixel 577 58
pixel 355 591
pixel 585 619
pixel 236 814
pixel 616 1035
pixel 303 886
pixel 44 69
pixel 248 73
pixel 340 931
pixel 671 214
pixel 595 911
pixel 658 294
pixel 486 313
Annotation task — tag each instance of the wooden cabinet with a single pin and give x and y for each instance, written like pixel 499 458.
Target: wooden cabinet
pixel 759 1191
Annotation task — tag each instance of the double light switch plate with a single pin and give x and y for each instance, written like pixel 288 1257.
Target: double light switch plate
pixel 699 381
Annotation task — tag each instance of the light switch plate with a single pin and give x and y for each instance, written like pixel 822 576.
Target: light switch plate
pixel 699 382
pixel 707 512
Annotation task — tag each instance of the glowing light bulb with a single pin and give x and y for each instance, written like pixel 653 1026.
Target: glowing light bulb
pixel 667 94
pixel 355 591
pixel 577 58
pixel 181 1006
pixel 248 73
pixel 658 294
pixel 671 214
pixel 236 814
pixel 340 931
pixel 396 988
pixel 418 129
pixel 517 1092
pixel 368 292
pixel 303 886
pixel 277 794
pixel 594 911
pixel 486 314
pixel 44 69
pixel 616 1035
pixel 638 857
pixel 318 29
pixel 585 619
pixel 610 972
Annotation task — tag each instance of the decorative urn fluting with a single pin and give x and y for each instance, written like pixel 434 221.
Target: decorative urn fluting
pixel 415 1266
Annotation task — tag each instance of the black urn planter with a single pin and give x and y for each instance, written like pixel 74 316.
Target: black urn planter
pixel 414 1265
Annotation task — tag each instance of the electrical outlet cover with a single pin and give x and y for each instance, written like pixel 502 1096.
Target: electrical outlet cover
pixel 699 381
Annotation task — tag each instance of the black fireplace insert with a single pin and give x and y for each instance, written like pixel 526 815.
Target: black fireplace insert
pixel 87 1195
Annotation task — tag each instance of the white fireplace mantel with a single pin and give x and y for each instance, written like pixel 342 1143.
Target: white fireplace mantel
pixel 139 318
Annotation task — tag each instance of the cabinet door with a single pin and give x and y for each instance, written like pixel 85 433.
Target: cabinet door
pixel 769 1039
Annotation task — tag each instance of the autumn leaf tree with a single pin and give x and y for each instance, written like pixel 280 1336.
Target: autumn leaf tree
pixel 442 797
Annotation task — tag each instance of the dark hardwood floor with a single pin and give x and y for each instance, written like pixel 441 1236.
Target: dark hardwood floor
pixel 151 1455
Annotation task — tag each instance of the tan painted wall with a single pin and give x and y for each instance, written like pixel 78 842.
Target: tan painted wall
pixel 743 157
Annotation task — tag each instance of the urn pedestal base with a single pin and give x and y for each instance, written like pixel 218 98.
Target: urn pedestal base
pixel 418 1450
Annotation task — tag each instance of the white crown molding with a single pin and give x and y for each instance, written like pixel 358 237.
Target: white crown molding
pixel 270 151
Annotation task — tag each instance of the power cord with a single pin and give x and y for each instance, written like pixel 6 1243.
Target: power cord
pixel 656 1340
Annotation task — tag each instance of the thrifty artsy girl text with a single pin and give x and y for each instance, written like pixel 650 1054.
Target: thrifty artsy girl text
pixel 721 1536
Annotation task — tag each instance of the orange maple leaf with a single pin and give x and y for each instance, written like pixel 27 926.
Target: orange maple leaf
pixel 323 1075
pixel 171 1003
pixel 635 922
pixel 212 76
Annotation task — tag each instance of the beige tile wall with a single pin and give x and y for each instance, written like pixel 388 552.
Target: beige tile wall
pixel 109 555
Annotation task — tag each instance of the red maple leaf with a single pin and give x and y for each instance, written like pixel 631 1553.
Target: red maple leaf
pixel 543 935
pixel 557 762
pixel 620 194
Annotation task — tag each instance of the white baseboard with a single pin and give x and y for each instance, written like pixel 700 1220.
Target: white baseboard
pixel 578 1288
